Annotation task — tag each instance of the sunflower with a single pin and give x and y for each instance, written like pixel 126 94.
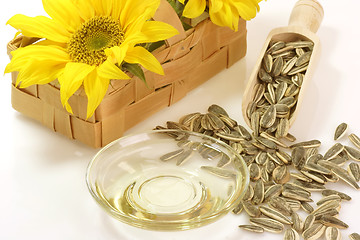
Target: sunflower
pixel 222 12
pixel 85 43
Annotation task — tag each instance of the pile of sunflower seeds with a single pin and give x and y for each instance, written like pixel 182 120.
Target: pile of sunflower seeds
pixel 283 176
pixel 279 81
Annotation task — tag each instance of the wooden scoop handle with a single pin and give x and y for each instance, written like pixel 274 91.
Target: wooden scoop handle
pixel 307 14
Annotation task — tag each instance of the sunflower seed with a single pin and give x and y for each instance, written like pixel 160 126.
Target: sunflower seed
pixel 249 193
pixel 268 62
pixel 345 176
pixel 291 234
pixel 314 232
pixel 352 153
pixel 261 158
pixel 326 206
pixel 354 236
pixel 268 118
pixel 289 65
pixel 243 132
pixel 299 69
pixel 288 100
pixel 298 224
pixel 300 44
pixel 274 139
pixel 255 123
pixel 317 177
pixel 332 233
pixel 311 186
pixel 252 228
pixel 283 128
pixel 258 192
pixel 340 131
pixel 220 172
pixel 264 76
pixel 215 121
pixel 343 196
pixel 281 174
pixel 304 58
pixel 250 209
pixel 355 140
pixel 328 198
pixel 292 90
pixel 171 155
pixel 217 110
pixel 309 221
pixel 307 144
pixel 354 171
pixel 238 209
pixel 296 195
pixel 268 224
pixel 266 142
pixel 286 49
pixel 331 221
pixel 277 65
pixel 298 157
pixel 276 215
pixel 333 151
pixel 316 168
pixel 284 157
pixel 272 191
pixel 254 171
pixel 281 205
pixel 300 176
pixel 282 110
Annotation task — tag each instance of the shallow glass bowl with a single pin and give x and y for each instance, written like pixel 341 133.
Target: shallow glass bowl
pixel 167 179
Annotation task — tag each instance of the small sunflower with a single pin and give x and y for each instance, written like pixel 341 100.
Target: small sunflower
pixel 85 43
pixel 222 12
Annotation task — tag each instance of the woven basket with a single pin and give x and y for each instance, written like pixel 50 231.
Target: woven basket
pixel 188 60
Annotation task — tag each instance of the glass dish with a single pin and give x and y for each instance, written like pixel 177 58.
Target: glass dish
pixel 167 179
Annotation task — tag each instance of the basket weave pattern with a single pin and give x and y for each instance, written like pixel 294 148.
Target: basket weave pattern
pixel 188 60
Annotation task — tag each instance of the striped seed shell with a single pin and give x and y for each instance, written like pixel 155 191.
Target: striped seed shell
pixel 264 76
pixel 274 214
pixel 345 176
pixel 238 209
pixel 277 66
pixel 352 153
pixel 217 110
pixel 268 224
pixel 258 192
pixel 355 140
pixel 291 234
pixel 332 233
pixel 331 221
pixel 314 232
pixel 328 198
pixel 252 228
pixel 249 193
pixel 283 128
pixel 254 171
pixel 289 65
pixel 281 205
pixel 268 118
pixel 354 236
pixel 309 221
pixel 340 131
pixel 334 151
pixel 343 196
pixel 298 224
pixel 250 209
pixel 307 144
pixel 281 174
pixel 220 172
pixel 268 62
pixel 311 186
pixel 304 58
pixel 307 207
pixel 272 191
pixel 298 157
pixel 354 170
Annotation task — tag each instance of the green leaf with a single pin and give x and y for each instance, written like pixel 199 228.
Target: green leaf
pixel 136 70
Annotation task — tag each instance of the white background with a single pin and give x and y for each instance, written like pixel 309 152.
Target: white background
pixel 42 173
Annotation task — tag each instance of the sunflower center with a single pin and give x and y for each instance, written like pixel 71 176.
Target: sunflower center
pixel 88 43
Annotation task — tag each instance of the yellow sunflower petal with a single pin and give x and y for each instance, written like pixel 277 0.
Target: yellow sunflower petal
pixel 156 31
pixel 36 53
pixel 247 9
pixel 215 5
pixel 71 79
pixel 117 53
pixel 224 17
pixel 95 89
pixel 64 12
pixel 194 8
pixel 109 70
pixel 40 26
pixel 38 73
pixel 135 10
pixel 145 58
pixel 85 9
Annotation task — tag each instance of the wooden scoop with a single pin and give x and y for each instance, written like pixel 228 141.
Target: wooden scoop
pixel 304 21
